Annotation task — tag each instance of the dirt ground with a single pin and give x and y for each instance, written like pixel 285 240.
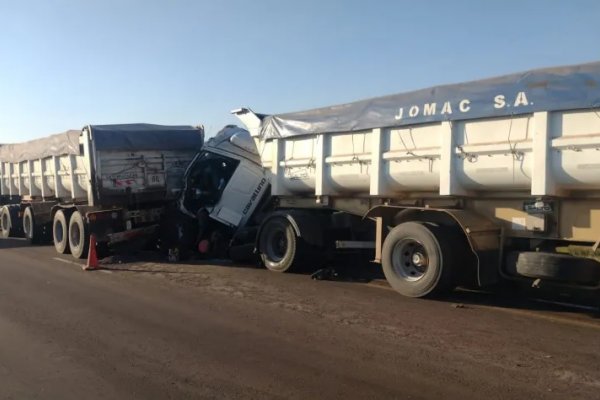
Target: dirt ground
pixel 143 328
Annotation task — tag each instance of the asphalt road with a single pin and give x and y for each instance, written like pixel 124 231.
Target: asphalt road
pixel 146 330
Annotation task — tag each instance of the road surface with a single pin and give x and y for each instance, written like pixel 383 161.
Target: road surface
pixel 146 330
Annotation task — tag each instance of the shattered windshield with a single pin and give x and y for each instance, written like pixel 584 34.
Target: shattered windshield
pixel 207 180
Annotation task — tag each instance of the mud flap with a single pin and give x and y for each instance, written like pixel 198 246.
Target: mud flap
pixel 488 268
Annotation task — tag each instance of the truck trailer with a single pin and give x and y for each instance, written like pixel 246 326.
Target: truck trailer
pixel 467 183
pixel 112 181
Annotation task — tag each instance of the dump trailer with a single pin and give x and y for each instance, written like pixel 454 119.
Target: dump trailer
pixel 468 183
pixel 112 181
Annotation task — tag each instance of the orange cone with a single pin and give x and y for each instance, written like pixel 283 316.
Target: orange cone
pixel 92 261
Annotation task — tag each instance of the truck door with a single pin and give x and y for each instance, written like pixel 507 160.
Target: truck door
pixel 241 195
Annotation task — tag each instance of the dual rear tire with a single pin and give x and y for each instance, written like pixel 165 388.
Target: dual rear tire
pixel 72 236
pixel 10 221
pixel 33 231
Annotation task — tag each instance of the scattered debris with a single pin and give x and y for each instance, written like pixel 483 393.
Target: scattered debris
pixel 174 255
pixel 324 274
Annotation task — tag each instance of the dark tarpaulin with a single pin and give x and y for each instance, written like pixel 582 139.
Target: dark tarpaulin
pixel 135 137
pixel 126 137
pixel 549 89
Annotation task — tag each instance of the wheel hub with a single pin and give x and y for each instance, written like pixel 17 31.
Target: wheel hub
pixel 418 259
pixel 277 245
pixel 410 259
pixel 5 221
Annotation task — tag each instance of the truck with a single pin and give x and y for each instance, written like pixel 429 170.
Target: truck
pixel 112 181
pixel 462 184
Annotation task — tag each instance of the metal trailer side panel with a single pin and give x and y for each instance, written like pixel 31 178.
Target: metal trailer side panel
pixel 151 175
pixel 41 167
pixel 62 177
pixel 545 154
pixel 140 163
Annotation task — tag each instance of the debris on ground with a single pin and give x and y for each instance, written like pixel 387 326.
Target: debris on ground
pixel 324 274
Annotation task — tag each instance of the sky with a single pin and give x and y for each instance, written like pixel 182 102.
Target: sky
pixel 68 63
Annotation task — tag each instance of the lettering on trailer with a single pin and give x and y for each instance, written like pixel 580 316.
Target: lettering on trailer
pixel 131 175
pixel 122 180
pixel 574 87
pixel 254 196
pixel 463 106
pixel 298 173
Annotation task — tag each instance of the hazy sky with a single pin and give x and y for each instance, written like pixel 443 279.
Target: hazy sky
pixel 67 63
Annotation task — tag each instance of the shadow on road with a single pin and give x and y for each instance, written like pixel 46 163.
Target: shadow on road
pixel 355 270
pixel 12 243
pixel 523 298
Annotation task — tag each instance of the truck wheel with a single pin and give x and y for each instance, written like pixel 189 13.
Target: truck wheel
pixel 278 245
pixel 79 237
pixel 10 223
pixel 4 233
pixel 558 267
pixel 417 260
pixel 34 234
pixel 60 230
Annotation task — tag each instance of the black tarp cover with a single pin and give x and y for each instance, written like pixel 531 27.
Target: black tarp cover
pixel 125 137
pixel 146 137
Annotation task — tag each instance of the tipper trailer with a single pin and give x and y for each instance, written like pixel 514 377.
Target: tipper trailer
pixel 109 180
pixel 465 183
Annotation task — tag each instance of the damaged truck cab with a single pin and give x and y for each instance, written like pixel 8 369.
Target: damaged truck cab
pixel 224 185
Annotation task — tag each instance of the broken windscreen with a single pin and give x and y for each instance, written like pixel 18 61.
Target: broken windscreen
pixel 206 180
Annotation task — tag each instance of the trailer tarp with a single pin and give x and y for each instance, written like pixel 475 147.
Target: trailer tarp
pixel 550 89
pixel 146 137
pixel 54 145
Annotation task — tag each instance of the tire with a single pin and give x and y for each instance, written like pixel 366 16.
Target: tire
pixel 558 267
pixel 33 233
pixel 60 232
pixel 79 236
pixel 10 222
pixel 418 260
pixel 3 221
pixel 279 246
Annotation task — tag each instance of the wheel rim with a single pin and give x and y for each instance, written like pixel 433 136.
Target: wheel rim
pixel 5 221
pixel 59 231
pixel 75 234
pixel 276 245
pixel 410 259
pixel 27 225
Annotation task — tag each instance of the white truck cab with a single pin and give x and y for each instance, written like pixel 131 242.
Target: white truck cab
pixel 226 180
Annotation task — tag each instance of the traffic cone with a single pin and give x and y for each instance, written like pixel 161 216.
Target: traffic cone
pixel 92 260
